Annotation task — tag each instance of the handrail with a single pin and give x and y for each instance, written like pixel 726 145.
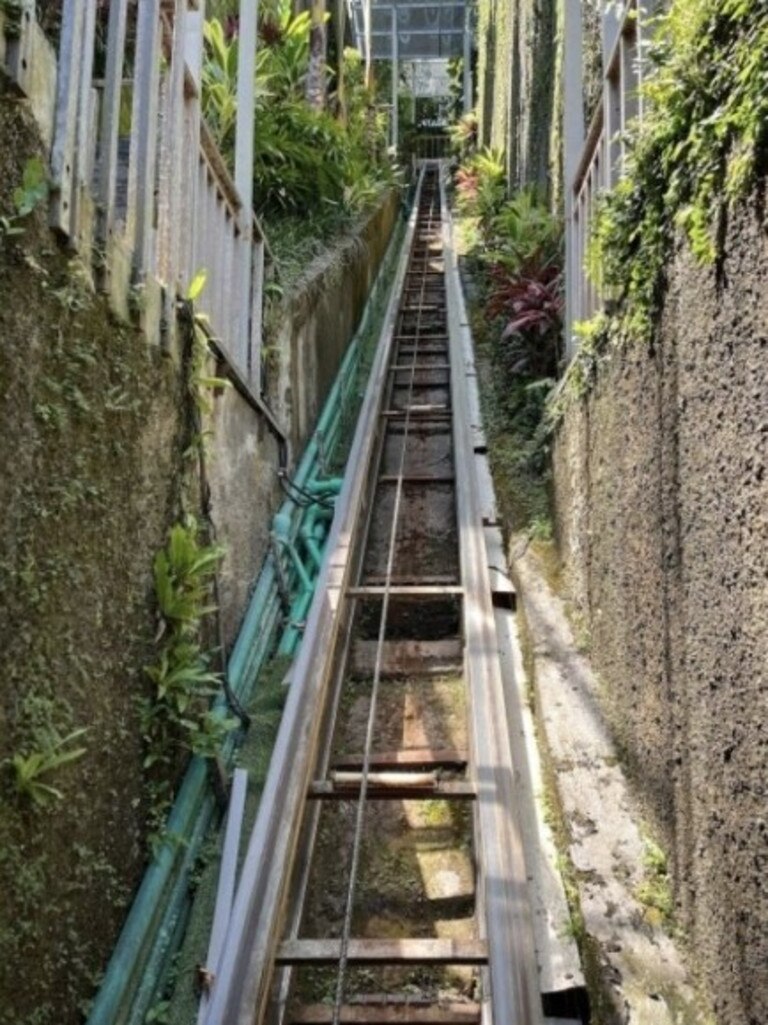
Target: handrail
pixel 591 144
pixel 218 168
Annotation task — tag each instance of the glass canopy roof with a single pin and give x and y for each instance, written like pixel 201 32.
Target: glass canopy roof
pixel 425 31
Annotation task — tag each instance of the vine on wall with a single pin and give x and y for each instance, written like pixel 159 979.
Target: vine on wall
pixel 702 144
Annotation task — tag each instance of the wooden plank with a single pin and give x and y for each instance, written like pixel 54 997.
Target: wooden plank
pixel 388 1014
pixel 418 411
pixel 406 951
pixel 353 780
pixel 408 658
pixel 450 790
pixel 443 758
pixel 399 368
pixel 406 591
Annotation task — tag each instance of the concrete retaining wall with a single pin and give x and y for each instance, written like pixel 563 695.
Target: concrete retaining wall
pixel 661 506
pixel 319 321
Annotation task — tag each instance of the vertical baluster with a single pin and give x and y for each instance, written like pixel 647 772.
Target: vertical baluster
pixel 110 115
pixel 142 163
pixel 245 340
pixel 65 120
pixel 85 139
pixel 193 60
pixel 169 198
pixel 257 316
pixel 573 141
pixel 18 51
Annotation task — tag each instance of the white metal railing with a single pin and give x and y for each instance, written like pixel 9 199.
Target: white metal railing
pixel 601 164
pixel 175 209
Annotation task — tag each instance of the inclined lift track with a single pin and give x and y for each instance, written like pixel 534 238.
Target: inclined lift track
pixel 381 602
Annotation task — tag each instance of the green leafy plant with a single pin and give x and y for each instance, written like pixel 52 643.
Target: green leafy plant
pixel 463 135
pixel 702 143
pixel 29 769
pixel 481 186
pixel 655 891
pixel 178 718
pixel 305 160
pixel 32 191
pixel 524 236
pixel 201 381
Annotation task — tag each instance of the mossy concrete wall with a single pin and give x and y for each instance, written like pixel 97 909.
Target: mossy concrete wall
pixel 518 70
pixel 317 322
pixel 95 423
pixel 661 496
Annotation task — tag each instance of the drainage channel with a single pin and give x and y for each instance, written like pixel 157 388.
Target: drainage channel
pixel 384 880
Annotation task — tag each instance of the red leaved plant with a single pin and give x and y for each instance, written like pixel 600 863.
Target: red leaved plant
pixel 532 303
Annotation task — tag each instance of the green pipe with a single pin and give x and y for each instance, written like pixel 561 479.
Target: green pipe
pixel 133 949
pixel 324 485
pixel 162 947
pixel 292 633
pixel 141 949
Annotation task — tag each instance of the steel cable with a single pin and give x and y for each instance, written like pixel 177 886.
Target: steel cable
pixel 361 806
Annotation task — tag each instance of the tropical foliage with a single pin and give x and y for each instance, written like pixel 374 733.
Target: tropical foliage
pixel 306 159
pixel 519 250
pixel 702 143
pixel 178 717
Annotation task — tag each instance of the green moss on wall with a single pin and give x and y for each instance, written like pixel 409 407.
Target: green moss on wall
pixel 90 436
pixel 518 69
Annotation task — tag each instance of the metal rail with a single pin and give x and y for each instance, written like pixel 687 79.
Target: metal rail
pixel 414 443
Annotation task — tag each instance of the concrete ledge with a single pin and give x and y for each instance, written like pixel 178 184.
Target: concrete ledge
pixel 639 977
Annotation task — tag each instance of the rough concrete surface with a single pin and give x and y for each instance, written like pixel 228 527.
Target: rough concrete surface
pixel 318 325
pixel 661 500
pixel 320 319
pixel 639 971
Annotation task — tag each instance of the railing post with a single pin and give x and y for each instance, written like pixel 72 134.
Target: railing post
pixel 467 68
pixel 248 340
pixel 65 121
pixel 395 112
pixel 573 141
pixel 142 163
pixel 110 115
pixel 193 61
pixel 85 147
pixel 18 50
pixel 171 146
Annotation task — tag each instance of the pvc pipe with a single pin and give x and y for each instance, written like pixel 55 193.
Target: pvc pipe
pixel 156 914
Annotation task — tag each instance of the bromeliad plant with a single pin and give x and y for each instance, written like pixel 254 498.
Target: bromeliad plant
pixel 178 717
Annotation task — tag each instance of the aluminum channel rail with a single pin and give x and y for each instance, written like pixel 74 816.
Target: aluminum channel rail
pixel 240 989
pixel 515 996
pixel 505 948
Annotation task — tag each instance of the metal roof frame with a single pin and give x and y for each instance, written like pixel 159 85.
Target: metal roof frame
pixel 416 29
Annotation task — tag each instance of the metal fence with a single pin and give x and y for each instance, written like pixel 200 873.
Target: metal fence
pixel 137 179
pixel 602 162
